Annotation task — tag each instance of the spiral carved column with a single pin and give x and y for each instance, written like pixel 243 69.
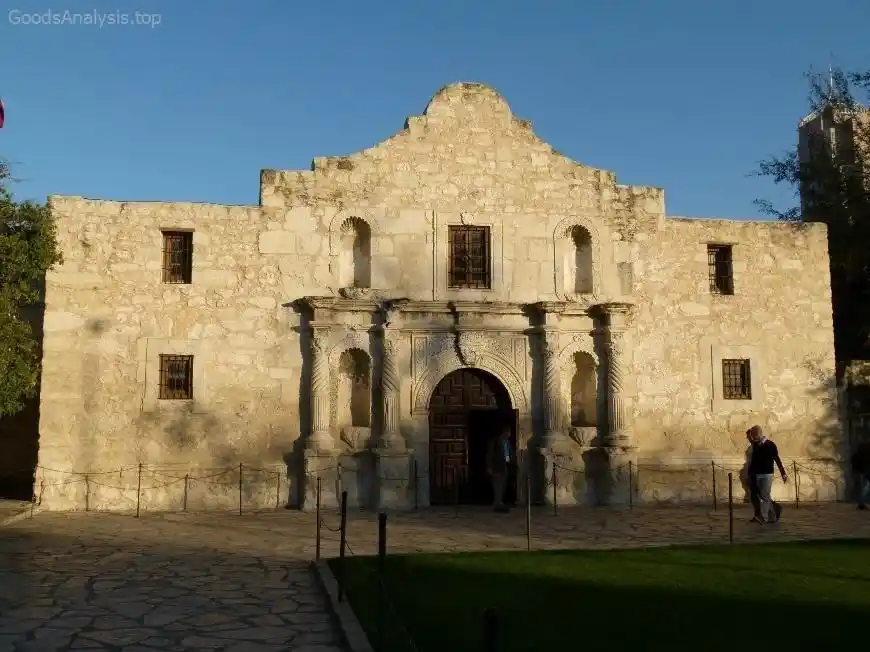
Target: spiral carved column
pixel 551 390
pixel 321 437
pixel 391 437
pixel 619 430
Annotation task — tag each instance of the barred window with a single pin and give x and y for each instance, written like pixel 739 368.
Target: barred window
pixel 736 381
pixel 177 257
pixel 469 257
pixel 719 262
pixel 176 377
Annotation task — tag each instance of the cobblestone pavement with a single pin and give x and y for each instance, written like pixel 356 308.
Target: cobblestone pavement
pixel 220 581
pixel 12 508
pixel 110 582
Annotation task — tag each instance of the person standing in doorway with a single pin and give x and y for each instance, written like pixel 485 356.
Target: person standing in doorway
pixel 763 455
pixel 498 456
pixel 861 467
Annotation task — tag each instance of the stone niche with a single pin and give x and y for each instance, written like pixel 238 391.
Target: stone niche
pixel 353 384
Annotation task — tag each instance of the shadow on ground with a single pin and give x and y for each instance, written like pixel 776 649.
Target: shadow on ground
pixel 109 582
pixel 809 596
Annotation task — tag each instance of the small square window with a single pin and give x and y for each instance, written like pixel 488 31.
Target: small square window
pixel 176 377
pixel 719 263
pixel 469 257
pixel 736 380
pixel 177 257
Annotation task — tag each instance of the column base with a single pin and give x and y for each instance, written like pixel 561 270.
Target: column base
pixel 391 443
pixel 610 472
pixel 325 467
pixel 393 478
pixel 321 442
pixel 564 474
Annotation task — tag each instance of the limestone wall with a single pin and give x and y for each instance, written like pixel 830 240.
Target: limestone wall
pixel 467 160
pixel 779 318
pixel 109 316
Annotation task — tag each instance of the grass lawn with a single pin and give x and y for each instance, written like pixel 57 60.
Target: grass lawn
pixel 795 596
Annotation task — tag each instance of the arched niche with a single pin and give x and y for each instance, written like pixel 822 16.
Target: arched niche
pixel 577 258
pixel 355 254
pixel 353 389
pixel 583 390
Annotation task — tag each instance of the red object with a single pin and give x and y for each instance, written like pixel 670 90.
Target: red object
pixel 2 114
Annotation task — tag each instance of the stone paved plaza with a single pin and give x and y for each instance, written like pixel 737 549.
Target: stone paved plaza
pixel 100 581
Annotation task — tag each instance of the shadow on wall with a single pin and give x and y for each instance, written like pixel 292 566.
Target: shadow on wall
pixel 19 433
pixel 823 463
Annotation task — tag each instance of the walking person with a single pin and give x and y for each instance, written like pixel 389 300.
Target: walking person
pixel 763 455
pixel 861 467
pixel 498 456
pixel 749 479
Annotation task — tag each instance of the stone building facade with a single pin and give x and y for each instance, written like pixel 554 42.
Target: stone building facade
pixel 374 320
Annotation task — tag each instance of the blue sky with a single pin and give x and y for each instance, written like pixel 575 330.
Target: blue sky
pixel 681 94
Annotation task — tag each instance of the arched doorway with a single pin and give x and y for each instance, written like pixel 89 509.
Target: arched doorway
pixel 467 409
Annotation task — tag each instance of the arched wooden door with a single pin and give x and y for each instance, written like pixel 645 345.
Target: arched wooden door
pixel 467 408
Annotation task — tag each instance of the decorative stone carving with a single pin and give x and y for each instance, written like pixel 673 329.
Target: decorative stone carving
pixel 448 361
pixel 358 293
pixel 619 431
pixel 471 346
pixel 355 437
pixel 353 339
pixel 321 438
pixel 583 436
pixel 551 390
pixel 391 436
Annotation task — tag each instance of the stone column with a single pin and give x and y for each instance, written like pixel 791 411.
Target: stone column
pixel 619 430
pixel 551 391
pixel 391 436
pixel 321 437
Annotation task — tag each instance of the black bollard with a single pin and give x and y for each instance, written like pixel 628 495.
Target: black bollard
pixel 382 566
pixel 730 508
pixel 341 546
pixel 317 516
pixel 490 630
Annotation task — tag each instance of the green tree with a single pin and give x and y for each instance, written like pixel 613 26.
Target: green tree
pixel 28 248
pixel 829 172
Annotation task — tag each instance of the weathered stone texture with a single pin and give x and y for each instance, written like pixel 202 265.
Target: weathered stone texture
pixel 467 160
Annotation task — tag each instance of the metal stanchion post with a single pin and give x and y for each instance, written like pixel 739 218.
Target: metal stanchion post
pixel 87 493
pixel 416 488
pixel 240 488
pixel 455 494
pixel 186 483
pixel 341 546
pixel 528 511
pixel 555 494
pixel 797 490
pixel 490 630
pixel 382 567
pixel 317 516
pixel 715 501
pixel 139 490
pixel 730 508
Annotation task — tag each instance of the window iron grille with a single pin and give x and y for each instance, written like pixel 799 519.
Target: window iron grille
pixel 176 377
pixel 719 262
pixel 736 380
pixel 469 257
pixel 177 257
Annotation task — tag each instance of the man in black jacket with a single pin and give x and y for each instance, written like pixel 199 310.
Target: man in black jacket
pixel 763 455
pixel 861 467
